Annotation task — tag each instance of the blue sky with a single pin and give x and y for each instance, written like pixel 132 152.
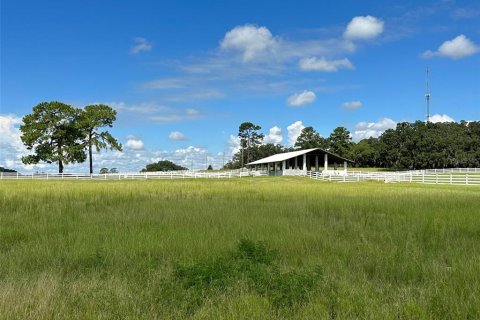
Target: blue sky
pixel 184 74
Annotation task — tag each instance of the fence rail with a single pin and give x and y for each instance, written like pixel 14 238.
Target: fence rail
pixel 134 175
pixel 454 176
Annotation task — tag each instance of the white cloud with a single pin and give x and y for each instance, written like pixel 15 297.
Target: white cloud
pixel 134 143
pixel 9 131
pixel 302 98
pixel 457 48
pixel 363 27
pixel 141 44
pixel 352 105
pixel 251 41
pixel 233 145
pixel 440 118
pixel 166 83
pixel 364 130
pixel 200 95
pixel 322 64
pixel 294 131
pixel 11 145
pixel 177 136
pixel 274 135
pixel 151 111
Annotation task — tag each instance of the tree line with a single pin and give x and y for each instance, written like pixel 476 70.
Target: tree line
pixel 58 133
pixel 409 146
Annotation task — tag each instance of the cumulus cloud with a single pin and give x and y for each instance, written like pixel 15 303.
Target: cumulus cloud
pixel 352 105
pixel 233 145
pixel 134 143
pixel 251 41
pixel 301 99
pixel 363 28
pixel 140 45
pixel 457 48
pixel 364 130
pixel 324 65
pixel 177 136
pixel 294 131
pixel 441 118
pixel 11 145
pixel 274 135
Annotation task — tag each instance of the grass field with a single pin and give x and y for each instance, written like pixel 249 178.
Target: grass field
pixel 250 248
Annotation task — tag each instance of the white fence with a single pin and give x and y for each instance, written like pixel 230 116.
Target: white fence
pixel 187 174
pixel 454 176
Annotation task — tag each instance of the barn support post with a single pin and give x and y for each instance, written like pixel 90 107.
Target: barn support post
pixel 325 162
pixel 316 163
pixel 296 163
pixel 345 166
pixel 284 165
pixel 304 167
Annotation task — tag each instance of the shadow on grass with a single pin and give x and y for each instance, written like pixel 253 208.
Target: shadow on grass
pixel 253 265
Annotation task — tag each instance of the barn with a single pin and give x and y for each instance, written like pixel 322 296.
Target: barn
pixel 306 160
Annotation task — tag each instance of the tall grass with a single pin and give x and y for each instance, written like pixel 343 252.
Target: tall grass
pixel 174 249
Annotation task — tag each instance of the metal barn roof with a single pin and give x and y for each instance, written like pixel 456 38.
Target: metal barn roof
pixel 289 155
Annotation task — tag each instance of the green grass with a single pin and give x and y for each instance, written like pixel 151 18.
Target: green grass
pixel 249 248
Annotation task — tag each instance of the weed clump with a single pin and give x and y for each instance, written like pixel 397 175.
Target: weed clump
pixel 253 264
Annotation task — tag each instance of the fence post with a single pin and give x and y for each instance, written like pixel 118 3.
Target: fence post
pixel 450 178
pixel 466 179
pixel 423 177
pixel 1 175
pixel 17 175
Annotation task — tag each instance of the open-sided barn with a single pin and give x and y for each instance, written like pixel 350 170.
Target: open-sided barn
pixel 308 159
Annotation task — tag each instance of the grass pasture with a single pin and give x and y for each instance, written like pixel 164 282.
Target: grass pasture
pixel 249 248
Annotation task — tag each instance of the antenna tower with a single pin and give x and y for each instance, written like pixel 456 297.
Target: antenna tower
pixel 427 96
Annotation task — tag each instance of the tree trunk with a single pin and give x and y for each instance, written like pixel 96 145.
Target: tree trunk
pixel 60 166
pixel 90 154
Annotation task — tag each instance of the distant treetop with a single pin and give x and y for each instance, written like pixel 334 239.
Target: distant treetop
pixel 163 165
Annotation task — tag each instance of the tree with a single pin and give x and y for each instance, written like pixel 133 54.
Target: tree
pixel 340 141
pixel 51 133
pixel 91 120
pixel 104 171
pixel 309 139
pixel 249 139
pixel 164 165
pixel 365 153
pixel 2 169
pixel 114 170
pixel 210 167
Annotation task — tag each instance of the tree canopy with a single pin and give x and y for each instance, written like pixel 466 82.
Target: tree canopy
pixel 2 169
pixel 163 165
pixel 91 120
pixel 309 138
pixel 250 138
pixel 58 133
pixel 50 132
